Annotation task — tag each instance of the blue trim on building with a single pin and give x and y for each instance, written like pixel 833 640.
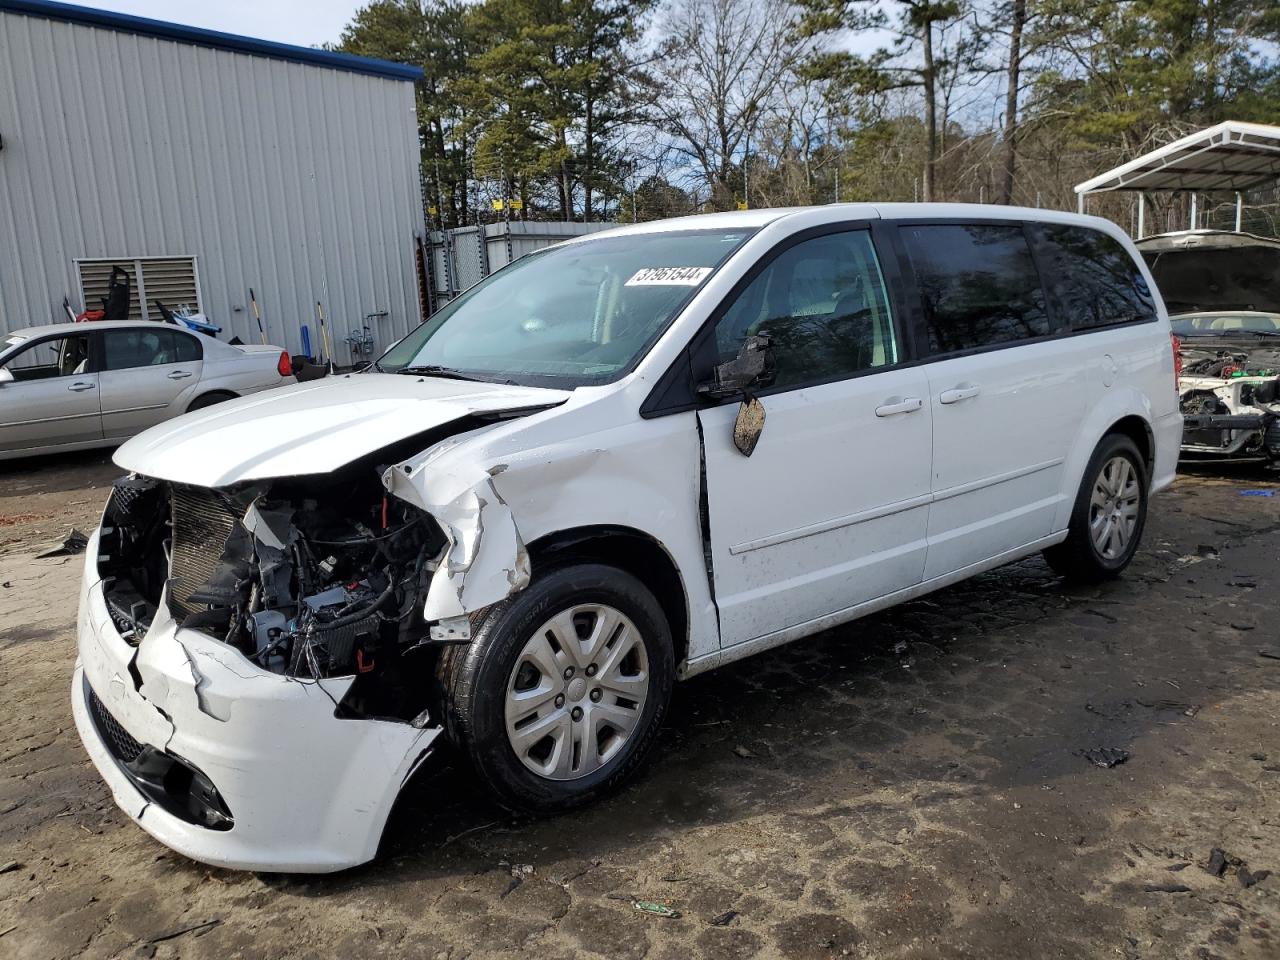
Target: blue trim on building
pixel 147 27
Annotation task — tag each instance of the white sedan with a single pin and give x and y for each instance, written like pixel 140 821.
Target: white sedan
pixel 73 386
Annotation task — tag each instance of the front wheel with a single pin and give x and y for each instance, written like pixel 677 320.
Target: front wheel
pixel 1108 517
pixel 562 689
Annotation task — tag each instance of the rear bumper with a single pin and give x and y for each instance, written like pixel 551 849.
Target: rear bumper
pixel 1168 439
pixel 305 791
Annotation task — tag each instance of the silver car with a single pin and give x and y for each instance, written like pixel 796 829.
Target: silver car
pixel 73 386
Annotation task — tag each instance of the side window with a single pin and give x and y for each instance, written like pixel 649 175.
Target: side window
pixel 140 347
pixel 186 348
pixel 59 357
pixel 978 285
pixel 823 302
pixel 1093 279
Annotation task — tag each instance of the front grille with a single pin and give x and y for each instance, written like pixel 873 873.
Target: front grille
pixel 202 521
pixel 122 746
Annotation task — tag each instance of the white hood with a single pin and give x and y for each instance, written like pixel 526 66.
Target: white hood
pixel 313 427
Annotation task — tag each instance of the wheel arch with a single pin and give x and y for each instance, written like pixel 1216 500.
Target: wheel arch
pixel 630 550
pixel 1123 410
pixel 221 393
pixel 1139 431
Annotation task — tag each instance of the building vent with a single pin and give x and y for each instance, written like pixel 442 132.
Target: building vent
pixel 171 280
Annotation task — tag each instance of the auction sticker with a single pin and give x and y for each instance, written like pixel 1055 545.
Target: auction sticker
pixel 668 277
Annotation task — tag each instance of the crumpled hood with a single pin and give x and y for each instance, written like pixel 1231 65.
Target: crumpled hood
pixel 314 427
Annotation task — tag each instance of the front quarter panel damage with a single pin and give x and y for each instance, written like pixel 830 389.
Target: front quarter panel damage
pixel 485 558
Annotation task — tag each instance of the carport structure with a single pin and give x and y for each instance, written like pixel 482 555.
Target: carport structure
pixel 1229 156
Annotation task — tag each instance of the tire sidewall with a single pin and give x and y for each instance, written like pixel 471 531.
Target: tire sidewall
pixel 1112 446
pixel 492 656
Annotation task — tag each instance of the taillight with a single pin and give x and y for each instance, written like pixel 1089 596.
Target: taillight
pixel 285 366
pixel 1176 341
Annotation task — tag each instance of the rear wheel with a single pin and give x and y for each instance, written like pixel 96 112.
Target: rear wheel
pixel 562 689
pixel 209 399
pixel 1109 515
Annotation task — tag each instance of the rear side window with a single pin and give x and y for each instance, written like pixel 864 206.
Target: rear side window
pixel 978 285
pixel 146 347
pixel 187 348
pixel 1093 280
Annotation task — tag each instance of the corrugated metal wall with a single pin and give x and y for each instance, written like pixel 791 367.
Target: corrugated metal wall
pixel 299 181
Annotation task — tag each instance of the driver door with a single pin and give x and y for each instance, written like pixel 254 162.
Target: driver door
pixel 51 399
pixel 831 509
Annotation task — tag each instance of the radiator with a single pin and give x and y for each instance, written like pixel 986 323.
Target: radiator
pixel 202 521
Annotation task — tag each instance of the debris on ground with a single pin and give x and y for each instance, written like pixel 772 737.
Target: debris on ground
pixel 723 919
pixel 199 929
pixel 9 929
pixel 1105 757
pixel 1248 878
pixel 13 519
pixel 7 584
pixel 656 909
pixel 1257 493
pixel 1260 757
pixel 1271 653
pixel 743 752
pixel 1166 888
pixel 11 865
pixel 1217 864
pixel 74 543
pixel 652 907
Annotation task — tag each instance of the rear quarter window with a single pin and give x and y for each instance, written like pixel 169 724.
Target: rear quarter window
pixel 1092 279
pixel 978 285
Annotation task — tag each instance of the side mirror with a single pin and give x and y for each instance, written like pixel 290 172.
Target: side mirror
pixel 752 368
pixel 6 375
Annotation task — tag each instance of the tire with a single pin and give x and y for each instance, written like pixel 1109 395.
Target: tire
pixel 1081 558
pixel 510 656
pixel 209 399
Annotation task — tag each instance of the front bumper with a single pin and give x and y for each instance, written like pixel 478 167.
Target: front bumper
pixel 1232 435
pixel 304 791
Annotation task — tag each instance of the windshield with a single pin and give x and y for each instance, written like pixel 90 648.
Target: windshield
pixel 573 315
pixel 1225 324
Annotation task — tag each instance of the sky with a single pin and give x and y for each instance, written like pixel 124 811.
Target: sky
pixel 304 22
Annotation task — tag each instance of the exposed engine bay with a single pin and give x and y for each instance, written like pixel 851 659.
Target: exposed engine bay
pixel 308 577
pixel 1230 399
pixel 1221 290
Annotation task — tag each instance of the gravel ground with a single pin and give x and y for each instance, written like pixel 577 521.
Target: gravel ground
pixel 911 785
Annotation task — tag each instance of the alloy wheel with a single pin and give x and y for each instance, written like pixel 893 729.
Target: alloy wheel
pixel 1114 507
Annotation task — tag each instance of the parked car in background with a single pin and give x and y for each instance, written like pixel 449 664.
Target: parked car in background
pixel 74 386
pixel 1222 290
pixel 616 462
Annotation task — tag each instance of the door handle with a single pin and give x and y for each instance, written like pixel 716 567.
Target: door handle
pixel 963 392
pixel 179 375
pixel 80 387
pixel 896 405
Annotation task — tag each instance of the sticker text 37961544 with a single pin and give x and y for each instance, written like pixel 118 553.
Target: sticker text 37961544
pixel 668 277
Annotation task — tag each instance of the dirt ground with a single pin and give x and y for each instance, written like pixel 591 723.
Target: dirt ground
pixel 911 785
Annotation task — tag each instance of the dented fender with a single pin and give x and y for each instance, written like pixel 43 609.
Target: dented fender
pixel 485 558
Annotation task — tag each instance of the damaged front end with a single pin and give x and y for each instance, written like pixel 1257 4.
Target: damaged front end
pixel 257 675
pixel 1230 403
pixel 307 579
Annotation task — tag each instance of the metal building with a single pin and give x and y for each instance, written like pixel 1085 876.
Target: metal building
pixel 465 255
pixel 204 164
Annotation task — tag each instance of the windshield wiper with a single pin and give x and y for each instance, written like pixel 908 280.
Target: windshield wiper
pixel 436 370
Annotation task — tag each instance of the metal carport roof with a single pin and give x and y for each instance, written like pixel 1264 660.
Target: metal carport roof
pixel 1230 156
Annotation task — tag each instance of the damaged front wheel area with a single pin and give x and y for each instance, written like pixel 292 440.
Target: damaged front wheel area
pixel 563 687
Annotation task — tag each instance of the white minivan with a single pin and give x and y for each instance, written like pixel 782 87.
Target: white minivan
pixel 614 463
